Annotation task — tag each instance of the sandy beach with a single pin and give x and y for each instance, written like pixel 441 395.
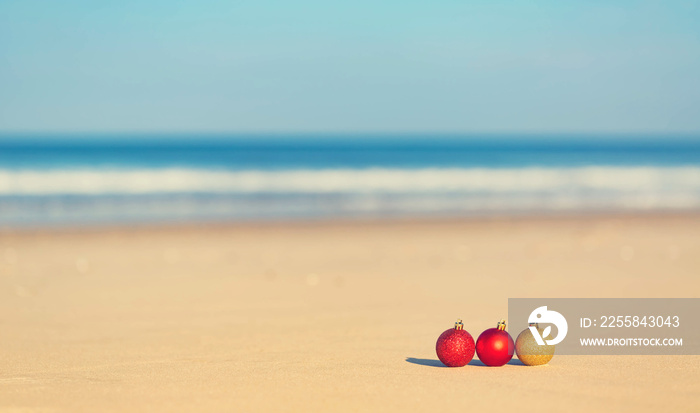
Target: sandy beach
pixel 327 316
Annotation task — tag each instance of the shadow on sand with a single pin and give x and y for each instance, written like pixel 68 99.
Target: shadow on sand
pixel 438 363
pixel 513 362
pixel 425 362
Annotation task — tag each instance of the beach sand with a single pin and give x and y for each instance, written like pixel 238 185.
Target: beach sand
pixel 327 316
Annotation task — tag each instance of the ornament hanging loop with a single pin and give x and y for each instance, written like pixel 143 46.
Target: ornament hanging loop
pixel 459 325
pixel 501 325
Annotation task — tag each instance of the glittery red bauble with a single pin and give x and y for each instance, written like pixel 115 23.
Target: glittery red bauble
pixel 495 346
pixel 455 347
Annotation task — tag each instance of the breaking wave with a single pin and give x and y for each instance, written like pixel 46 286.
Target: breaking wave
pixel 410 181
pixel 104 195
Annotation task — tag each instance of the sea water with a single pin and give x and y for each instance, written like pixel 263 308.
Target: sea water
pixel 106 179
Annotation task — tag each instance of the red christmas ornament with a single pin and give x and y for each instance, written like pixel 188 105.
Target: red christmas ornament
pixel 495 346
pixel 455 347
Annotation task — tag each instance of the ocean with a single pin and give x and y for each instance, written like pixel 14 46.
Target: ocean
pixel 113 179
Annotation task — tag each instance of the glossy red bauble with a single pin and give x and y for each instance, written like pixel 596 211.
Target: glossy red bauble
pixel 455 347
pixel 495 346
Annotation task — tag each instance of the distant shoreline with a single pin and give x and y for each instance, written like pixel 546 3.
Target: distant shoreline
pixel 273 224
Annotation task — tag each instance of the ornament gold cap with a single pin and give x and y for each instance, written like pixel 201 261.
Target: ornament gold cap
pixel 501 325
pixel 459 325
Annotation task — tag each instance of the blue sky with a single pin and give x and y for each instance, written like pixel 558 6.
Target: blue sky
pixel 296 66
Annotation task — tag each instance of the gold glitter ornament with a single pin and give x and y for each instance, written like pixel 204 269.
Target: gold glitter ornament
pixel 531 353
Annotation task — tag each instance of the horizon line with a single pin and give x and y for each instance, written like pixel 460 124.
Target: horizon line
pixel 339 133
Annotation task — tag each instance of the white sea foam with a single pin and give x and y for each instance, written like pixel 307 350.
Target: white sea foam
pixel 639 180
pixel 84 196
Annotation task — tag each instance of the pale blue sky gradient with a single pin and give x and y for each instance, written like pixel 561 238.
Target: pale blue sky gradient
pixel 352 66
